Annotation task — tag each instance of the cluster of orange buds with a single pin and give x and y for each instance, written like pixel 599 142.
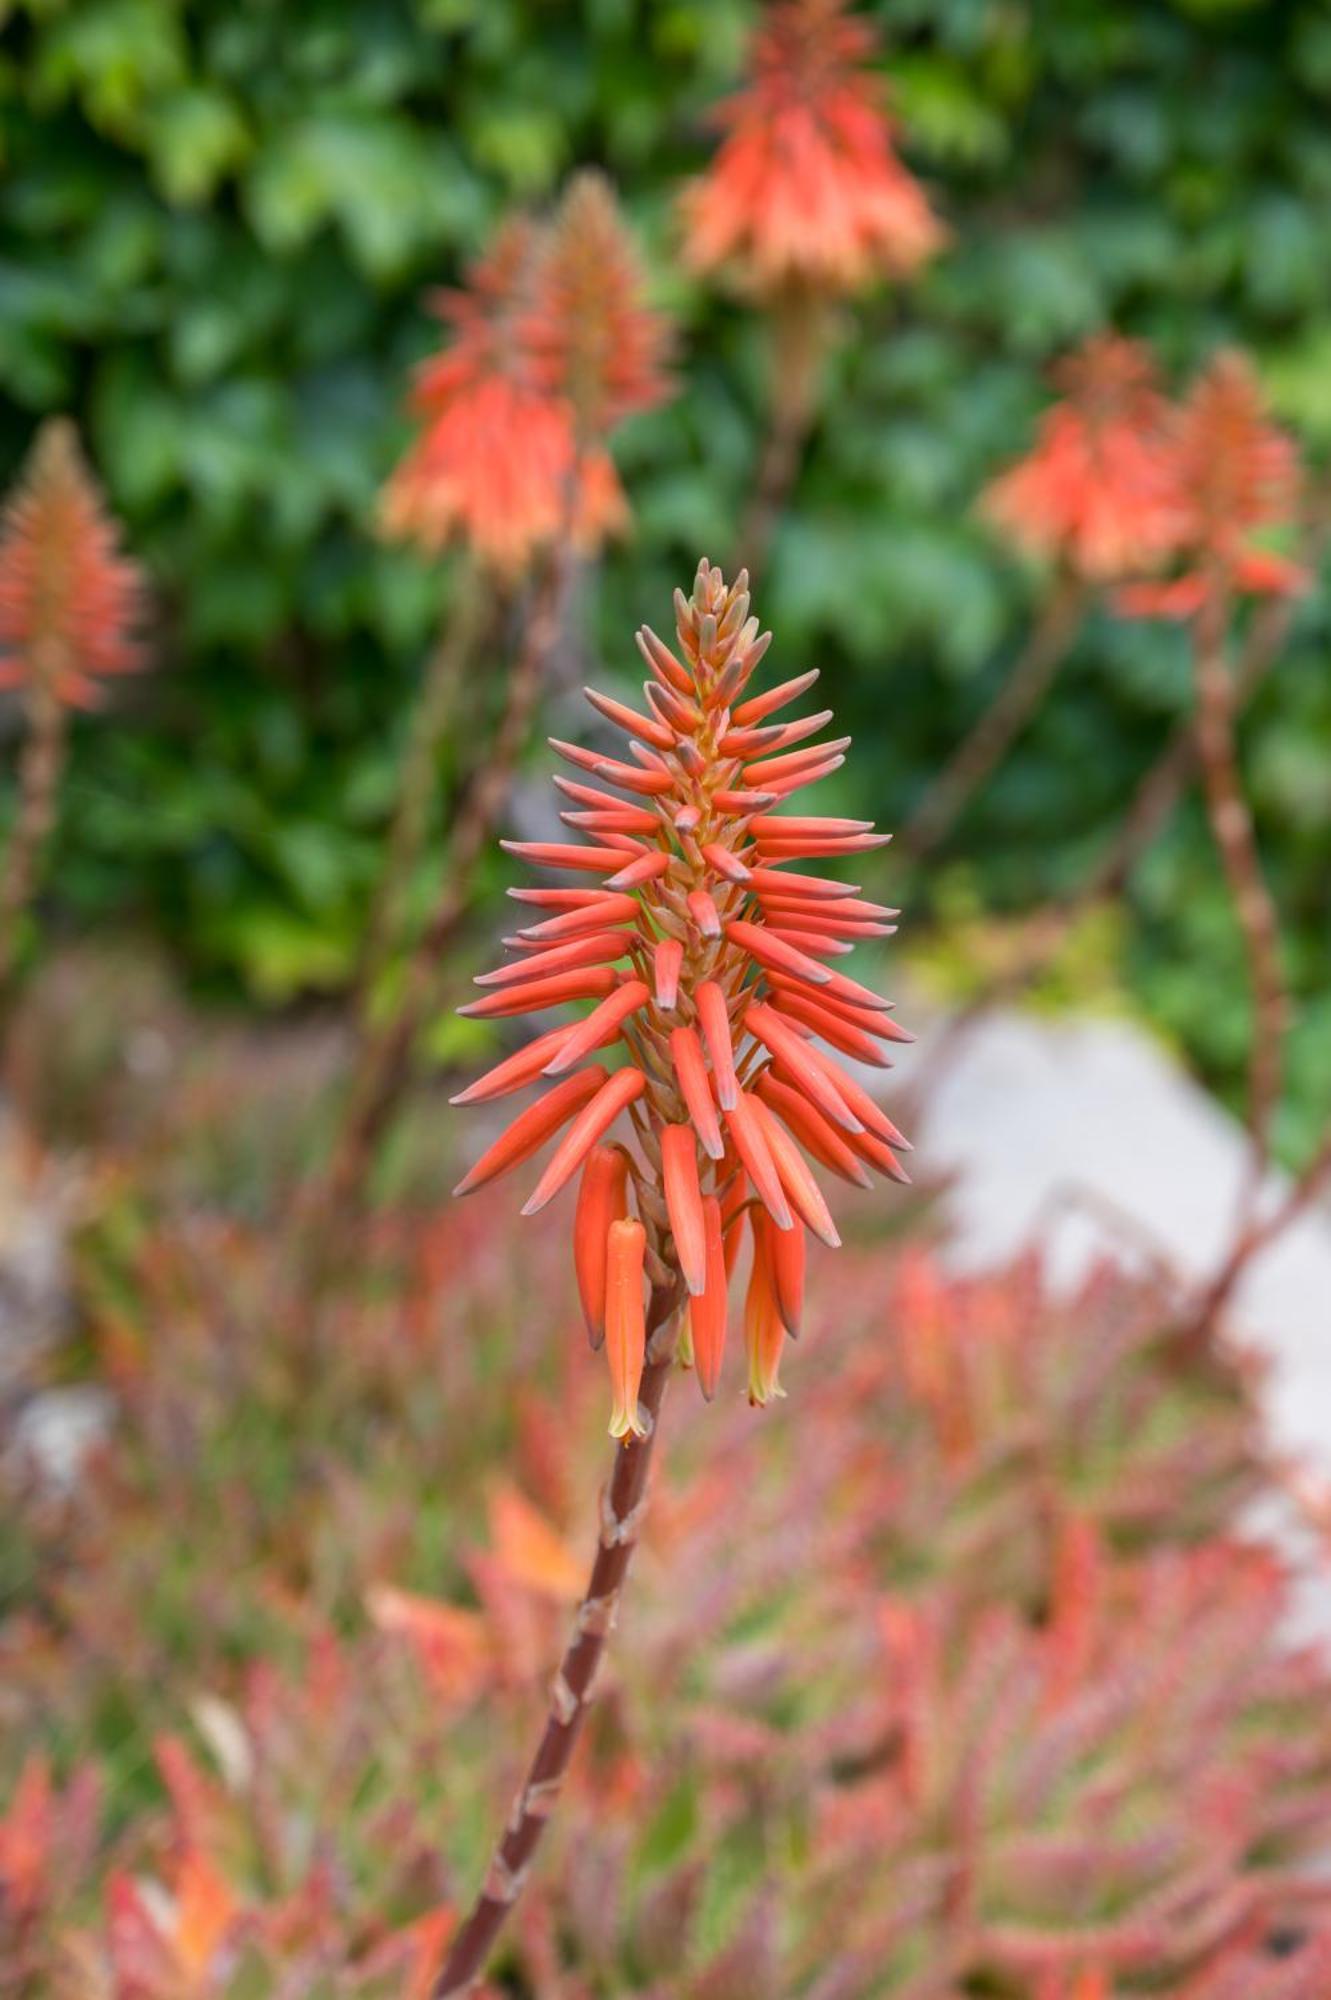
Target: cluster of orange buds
pixel 806 189
pixel 1095 494
pixel 69 600
pixel 552 346
pixel 706 954
pixel 1235 481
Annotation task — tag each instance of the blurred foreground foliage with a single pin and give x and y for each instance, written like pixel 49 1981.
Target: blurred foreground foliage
pixel 950 1676
pixel 218 225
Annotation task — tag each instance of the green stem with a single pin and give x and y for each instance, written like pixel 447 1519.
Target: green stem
pixel 40 767
pixel 988 742
pixel 434 710
pixel 800 336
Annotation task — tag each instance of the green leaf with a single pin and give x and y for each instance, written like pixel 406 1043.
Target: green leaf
pixel 194 139
pixel 389 187
pixel 944 113
pixel 115 56
pixel 526 144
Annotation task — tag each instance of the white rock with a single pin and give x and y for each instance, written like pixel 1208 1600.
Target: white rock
pixel 1086 1136
pixel 56 1430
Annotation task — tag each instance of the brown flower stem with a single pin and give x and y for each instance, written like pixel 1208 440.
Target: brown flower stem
pixel 1164 784
pixel 434 710
pixel 1236 843
pixel 1153 803
pixel 992 736
pixel 1158 794
pixel 383 1066
pixel 623 1501
pixel 800 332
pixel 39 772
pixel 1260 1234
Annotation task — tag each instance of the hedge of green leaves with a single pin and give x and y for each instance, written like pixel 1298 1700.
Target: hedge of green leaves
pixel 217 222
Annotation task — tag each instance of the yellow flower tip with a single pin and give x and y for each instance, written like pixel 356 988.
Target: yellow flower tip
pixel 622 1426
pixel 762 1393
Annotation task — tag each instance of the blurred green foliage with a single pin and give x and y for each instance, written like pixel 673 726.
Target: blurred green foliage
pixel 218 223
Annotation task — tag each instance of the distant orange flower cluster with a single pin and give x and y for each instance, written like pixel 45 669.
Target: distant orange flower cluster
pixel 1235 479
pixel 553 346
pixel 706 955
pixel 69 600
pixel 1168 501
pixel 806 188
pixel 1094 493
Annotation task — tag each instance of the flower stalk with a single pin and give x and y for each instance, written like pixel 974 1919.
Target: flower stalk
pixel 983 749
pixel 1236 844
pixel 623 1503
pixel 705 956
pixel 1149 811
pixel 1234 480
pixel 801 332
pixel 40 768
pixel 1258 1235
pixel 432 717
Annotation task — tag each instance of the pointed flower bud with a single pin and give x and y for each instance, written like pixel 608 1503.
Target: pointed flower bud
pixel 625 1323
pixel 602 1199
pixel 707 1312
pixel 764 1327
pixel 719 995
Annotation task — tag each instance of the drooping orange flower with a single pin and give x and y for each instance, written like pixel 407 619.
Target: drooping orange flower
pixel 806 188
pixel 1096 492
pixel 706 955
pixel 69 600
pixel 553 345
pixel 1235 479
pixel 494 450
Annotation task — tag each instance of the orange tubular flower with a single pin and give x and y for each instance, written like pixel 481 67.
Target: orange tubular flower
pixel 494 449
pixel 806 189
pixel 1096 492
pixel 69 601
pixel 552 347
pixel 625 1322
pixel 706 957
pixel 1234 479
